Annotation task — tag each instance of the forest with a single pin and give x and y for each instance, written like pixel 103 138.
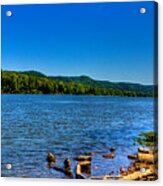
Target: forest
pixel 31 82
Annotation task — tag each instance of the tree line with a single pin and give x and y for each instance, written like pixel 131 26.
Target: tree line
pixel 17 83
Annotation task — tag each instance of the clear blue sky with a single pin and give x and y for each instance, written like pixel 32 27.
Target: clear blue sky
pixel 106 41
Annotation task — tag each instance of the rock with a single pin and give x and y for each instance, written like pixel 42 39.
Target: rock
pixel 131 169
pixel 145 151
pixel 112 149
pixel 51 158
pixel 67 165
pixel 67 162
pixel 122 170
pixel 83 158
pixel 111 156
pixel 132 157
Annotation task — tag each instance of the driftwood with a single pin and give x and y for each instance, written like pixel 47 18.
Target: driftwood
pixel 149 174
pixel 145 151
pixel 111 156
pixel 82 163
pixel 147 157
pixel 83 158
pixel 66 170
pixel 67 173
pixel 132 157
pixel 79 175
pixel 138 175
pixel 58 169
pixel 83 166
pixel 138 165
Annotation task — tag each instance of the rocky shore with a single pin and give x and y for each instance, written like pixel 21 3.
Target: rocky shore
pixel 143 167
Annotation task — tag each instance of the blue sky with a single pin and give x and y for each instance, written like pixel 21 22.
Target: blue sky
pixel 106 41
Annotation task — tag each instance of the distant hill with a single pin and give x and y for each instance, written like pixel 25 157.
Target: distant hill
pixel 105 84
pixel 35 82
pixel 86 80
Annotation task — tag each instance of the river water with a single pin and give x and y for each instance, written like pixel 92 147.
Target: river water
pixel 67 125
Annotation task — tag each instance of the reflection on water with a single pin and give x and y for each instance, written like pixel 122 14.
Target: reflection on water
pixel 33 125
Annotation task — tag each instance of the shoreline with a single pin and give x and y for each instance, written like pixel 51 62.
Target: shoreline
pixel 144 166
pixel 84 95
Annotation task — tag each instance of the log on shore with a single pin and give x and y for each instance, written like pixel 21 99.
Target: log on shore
pixel 138 175
pixel 145 151
pixel 150 158
pixel 138 165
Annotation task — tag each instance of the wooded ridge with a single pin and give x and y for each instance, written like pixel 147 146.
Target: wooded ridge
pixel 33 82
